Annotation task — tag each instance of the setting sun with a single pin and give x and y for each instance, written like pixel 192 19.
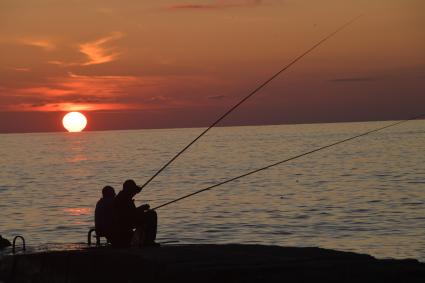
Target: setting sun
pixel 74 122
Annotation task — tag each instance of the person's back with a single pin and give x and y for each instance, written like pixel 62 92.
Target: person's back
pixel 105 214
pixel 126 214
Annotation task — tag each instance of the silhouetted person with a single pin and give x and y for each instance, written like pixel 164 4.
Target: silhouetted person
pixel 130 217
pixel 105 217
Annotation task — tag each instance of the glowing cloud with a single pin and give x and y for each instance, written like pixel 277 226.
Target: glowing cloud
pixel 41 43
pixel 96 51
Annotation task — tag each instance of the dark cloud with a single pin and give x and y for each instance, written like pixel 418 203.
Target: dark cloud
pixel 217 97
pixel 215 5
pixel 38 104
pixel 155 99
pixel 191 6
pixel 354 79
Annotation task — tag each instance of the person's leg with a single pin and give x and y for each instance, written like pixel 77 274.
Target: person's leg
pixel 121 239
pixel 150 226
pixel 138 235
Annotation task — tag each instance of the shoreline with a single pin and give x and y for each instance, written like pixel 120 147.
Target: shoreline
pixel 205 263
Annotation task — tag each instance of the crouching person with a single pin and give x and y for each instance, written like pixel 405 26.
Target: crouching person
pixel 130 217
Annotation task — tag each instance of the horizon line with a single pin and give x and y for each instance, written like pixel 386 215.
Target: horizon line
pixel 200 127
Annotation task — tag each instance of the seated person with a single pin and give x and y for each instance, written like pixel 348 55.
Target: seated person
pixel 104 215
pixel 130 217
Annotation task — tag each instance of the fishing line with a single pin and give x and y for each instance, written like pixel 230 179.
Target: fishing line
pixel 248 96
pixel 289 159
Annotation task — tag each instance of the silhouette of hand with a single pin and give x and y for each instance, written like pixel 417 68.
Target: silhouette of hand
pixel 145 207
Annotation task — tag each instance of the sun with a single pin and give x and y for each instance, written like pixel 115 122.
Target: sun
pixel 74 122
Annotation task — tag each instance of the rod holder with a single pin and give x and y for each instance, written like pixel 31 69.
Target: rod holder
pixel 14 243
pixel 89 237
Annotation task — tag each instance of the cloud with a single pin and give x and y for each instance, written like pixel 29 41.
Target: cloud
pixel 47 91
pixel 71 92
pixel 60 63
pixel 73 106
pixel 20 69
pixel 354 79
pixel 41 43
pixel 97 52
pixel 156 99
pixel 38 104
pixel 192 6
pixel 218 4
pixel 87 92
pixel 217 97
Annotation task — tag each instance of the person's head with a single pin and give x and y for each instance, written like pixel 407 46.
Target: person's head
pixel 108 192
pixel 130 187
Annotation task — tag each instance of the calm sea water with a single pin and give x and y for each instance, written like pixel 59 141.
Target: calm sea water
pixel 366 196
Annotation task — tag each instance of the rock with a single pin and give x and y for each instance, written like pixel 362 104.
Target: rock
pixel 207 263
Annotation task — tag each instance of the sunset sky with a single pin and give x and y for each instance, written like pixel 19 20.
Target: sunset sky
pixel 155 64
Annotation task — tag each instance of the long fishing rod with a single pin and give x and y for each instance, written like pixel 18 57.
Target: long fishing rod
pixel 289 159
pixel 248 96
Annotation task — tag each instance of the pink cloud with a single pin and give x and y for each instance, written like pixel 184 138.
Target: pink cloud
pixel 71 92
pixel 97 52
pixel 69 106
pixel 74 91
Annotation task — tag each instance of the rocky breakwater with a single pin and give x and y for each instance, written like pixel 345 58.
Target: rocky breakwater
pixel 206 263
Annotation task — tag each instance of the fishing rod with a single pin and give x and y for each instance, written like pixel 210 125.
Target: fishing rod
pixel 250 95
pixel 289 159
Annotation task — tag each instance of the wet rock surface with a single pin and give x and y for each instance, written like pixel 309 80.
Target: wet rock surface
pixel 206 263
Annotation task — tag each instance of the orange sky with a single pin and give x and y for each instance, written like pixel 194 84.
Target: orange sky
pixel 129 64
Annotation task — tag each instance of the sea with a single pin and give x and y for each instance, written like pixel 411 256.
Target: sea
pixel 366 195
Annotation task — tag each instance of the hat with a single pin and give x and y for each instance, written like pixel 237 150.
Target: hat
pixel 130 185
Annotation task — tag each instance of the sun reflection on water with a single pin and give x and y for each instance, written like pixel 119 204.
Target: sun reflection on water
pixel 78 211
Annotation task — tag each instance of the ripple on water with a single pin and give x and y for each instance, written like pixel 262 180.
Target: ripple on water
pixel 366 196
